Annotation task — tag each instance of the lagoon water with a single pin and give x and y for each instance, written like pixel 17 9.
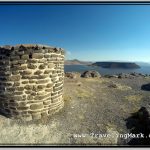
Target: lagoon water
pixel 104 71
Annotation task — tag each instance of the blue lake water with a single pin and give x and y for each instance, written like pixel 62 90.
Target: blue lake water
pixel 104 71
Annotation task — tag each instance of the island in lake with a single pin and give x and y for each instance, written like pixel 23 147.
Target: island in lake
pixel 123 65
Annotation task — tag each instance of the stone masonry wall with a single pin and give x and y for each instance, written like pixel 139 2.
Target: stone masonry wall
pixel 31 81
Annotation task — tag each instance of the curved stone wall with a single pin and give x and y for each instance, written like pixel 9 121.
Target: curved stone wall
pixel 31 80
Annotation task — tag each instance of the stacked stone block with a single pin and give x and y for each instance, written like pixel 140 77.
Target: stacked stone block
pixel 31 81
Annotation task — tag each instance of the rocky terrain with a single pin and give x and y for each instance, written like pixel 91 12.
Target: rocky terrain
pixel 98 110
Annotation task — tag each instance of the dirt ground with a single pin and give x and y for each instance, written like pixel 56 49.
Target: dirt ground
pixel 94 113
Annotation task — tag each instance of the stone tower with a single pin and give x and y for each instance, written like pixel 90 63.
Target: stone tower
pixel 31 80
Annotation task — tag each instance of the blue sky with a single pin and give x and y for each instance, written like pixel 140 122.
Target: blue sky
pixel 86 32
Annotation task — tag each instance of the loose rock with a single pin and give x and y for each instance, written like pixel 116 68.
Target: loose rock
pixel 70 75
pixel 88 74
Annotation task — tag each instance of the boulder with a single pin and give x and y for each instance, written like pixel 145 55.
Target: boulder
pixel 89 74
pixel 125 75
pixel 110 76
pixel 141 74
pixel 70 75
pixel 139 122
pixel 144 113
pixel 137 74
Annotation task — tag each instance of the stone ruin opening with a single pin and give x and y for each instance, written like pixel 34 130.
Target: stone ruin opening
pixel 31 81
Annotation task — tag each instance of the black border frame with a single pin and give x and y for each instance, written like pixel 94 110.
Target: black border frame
pixel 73 3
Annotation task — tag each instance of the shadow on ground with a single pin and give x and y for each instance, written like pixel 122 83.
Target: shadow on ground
pixel 145 87
pixel 2 113
pixel 139 123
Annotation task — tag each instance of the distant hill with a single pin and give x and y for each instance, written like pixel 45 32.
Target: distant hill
pixel 77 62
pixel 123 65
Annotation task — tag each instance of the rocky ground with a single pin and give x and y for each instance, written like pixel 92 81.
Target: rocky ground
pixel 96 112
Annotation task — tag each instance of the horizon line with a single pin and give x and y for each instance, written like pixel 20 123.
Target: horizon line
pixel 109 60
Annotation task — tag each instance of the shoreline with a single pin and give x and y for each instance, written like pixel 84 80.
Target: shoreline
pixel 134 74
pixel 105 71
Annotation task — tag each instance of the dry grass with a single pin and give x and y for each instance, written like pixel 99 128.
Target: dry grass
pixel 81 117
pixel 123 87
pixel 133 98
pixel 99 80
pixel 67 98
pixel 82 93
pixel 87 101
